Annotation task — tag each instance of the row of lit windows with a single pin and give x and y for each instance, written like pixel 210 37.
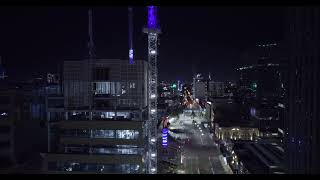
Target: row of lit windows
pixel 117 134
pixel 112 88
pixel 86 167
pixel 103 150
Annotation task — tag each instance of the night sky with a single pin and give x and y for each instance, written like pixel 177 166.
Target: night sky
pixel 194 39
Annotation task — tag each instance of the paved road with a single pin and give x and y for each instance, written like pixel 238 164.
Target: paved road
pixel 201 156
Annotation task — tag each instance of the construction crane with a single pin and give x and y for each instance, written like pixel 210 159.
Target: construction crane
pixel 152 30
pixel 130 23
pixel 91 48
pixel 92 56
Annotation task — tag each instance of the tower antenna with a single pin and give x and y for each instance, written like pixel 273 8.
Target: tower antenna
pixel 130 23
pixel 91 47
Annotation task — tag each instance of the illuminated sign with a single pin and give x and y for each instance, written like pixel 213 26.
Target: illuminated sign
pixel 165 137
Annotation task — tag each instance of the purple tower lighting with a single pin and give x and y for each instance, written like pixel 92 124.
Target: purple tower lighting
pixel 130 23
pixel 152 17
pixel 165 137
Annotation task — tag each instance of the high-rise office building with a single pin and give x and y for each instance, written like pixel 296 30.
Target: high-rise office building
pixel 302 135
pixel 199 87
pixel 215 89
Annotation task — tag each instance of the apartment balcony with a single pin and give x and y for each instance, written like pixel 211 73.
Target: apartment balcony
pixel 98 124
pixel 100 141
pixel 91 159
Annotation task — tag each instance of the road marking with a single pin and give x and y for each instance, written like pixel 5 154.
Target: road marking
pixel 212 171
pixel 201 139
pixel 211 164
pixel 197 160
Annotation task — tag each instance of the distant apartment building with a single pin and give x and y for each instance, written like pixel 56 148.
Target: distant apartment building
pixel 97 124
pixel 215 89
pixel 199 87
pixel 266 80
pixel 264 87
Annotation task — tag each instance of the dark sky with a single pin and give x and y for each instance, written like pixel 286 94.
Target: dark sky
pixel 36 40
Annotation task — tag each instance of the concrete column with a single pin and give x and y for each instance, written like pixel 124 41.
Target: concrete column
pixel 48 124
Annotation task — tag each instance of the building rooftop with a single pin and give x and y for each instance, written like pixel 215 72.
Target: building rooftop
pixel 229 114
pixel 257 65
pixel 260 158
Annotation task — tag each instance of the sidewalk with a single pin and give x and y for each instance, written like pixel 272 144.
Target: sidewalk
pixel 225 166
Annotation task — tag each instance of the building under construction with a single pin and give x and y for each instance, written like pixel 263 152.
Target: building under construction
pixel 104 121
pixel 98 130
pixel 98 123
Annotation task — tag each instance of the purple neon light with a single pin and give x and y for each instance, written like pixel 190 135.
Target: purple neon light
pixel 164 137
pixel 152 17
pixel 164 130
pixel 131 56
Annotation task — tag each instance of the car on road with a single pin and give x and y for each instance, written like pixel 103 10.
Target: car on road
pixel 188 141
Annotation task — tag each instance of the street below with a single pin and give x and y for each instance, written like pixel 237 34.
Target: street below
pixel 200 154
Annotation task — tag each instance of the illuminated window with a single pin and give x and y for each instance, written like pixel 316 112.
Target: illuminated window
pixel 132 85
pixel 127 134
pixel 103 133
pixel 3 114
pixel 110 88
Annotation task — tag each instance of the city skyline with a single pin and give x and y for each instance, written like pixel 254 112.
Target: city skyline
pixel 159 90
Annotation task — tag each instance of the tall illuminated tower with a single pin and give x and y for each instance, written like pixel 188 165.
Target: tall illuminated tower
pixel 130 23
pixel 152 30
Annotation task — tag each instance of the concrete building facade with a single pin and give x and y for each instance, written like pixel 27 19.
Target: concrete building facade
pixel 97 125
